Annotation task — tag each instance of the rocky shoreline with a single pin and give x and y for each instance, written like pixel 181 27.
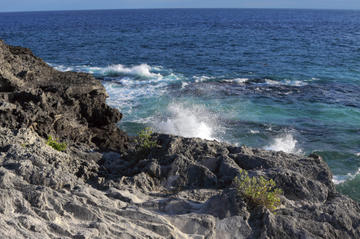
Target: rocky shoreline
pixel 104 186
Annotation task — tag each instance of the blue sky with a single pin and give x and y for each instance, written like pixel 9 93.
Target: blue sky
pixel 34 5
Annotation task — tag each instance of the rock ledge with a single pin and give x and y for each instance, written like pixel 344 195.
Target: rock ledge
pixel 104 186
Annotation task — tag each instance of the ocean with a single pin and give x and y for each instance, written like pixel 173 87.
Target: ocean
pixel 284 80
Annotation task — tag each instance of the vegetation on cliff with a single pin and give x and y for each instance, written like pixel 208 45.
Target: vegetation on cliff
pixel 183 188
pixel 258 190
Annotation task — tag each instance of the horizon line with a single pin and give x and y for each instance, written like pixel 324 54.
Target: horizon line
pixel 183 8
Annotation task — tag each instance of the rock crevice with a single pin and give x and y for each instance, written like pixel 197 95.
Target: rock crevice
pixel 105 186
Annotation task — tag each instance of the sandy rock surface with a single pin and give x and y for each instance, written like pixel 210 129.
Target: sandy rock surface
pixel 180 191
pixel 105 185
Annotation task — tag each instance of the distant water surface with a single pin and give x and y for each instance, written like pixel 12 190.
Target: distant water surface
pixel 276 79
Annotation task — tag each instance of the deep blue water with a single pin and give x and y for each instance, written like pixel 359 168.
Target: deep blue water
pixel 276 79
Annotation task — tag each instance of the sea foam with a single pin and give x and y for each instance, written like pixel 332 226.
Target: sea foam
pixel 286 143
pixel 338 179
pixel 266 82
pixel 142 70
pixel 237 80
pixel 285 82
pixel 188 121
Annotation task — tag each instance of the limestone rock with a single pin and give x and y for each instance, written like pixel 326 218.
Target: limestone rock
pixel 66 105
pixel 104 186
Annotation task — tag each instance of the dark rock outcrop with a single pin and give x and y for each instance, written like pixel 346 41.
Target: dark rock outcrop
pixel 67 105
pixel 311 207
pixel 180 189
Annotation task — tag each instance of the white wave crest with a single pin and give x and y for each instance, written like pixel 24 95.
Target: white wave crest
pixel 285 82
pixel 133 81
pixel 63 67
pixel 199 79
pixel 237 80
pixel 293 83
pixel 143 70
pixel 184 84
pixel 338 179
pixel 267 82
pixel 271 82
pixel 286 143
pixel 188 121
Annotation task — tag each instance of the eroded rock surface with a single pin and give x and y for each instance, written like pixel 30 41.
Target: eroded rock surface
pixel 104 186
pixel 67 105
pixel 179 190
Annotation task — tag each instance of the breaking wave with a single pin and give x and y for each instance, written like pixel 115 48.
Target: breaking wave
pixel 338 179
pixel 189 121
pixel 237 80
pixel 142 70
pixel 286 143
pixel 266 82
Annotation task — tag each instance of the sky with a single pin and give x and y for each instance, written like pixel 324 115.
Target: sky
pixel 38 5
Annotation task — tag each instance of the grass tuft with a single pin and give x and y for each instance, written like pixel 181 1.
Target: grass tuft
pixel 144 139
pixel 56 145
pixel 258 190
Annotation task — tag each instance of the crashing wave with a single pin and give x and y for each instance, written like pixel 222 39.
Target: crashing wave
pixel 286 143
pixel 142 70
pixel 188 121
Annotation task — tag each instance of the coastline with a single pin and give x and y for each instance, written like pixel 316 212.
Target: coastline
pixel 102 186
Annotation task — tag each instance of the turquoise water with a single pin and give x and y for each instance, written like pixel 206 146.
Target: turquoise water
pixel 276 79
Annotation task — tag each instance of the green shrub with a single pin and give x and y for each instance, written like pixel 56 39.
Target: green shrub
pixel 56 145
pixel 145 141
pixel 258 190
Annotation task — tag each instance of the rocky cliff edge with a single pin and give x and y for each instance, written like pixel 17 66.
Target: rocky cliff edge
pixel 105 186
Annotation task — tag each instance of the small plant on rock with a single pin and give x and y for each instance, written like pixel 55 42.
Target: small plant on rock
pixel 258 190
pixel 145 141
pixel 56 145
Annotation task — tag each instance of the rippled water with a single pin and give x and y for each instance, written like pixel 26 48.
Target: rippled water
pixel 276 79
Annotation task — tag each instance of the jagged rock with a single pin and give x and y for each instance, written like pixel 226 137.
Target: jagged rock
pixel 180 189
pixel 67 105
pixel 43 195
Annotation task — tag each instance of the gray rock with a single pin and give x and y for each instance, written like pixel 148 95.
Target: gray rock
pixel 180 189
pixel 43 195
pixel 66 105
